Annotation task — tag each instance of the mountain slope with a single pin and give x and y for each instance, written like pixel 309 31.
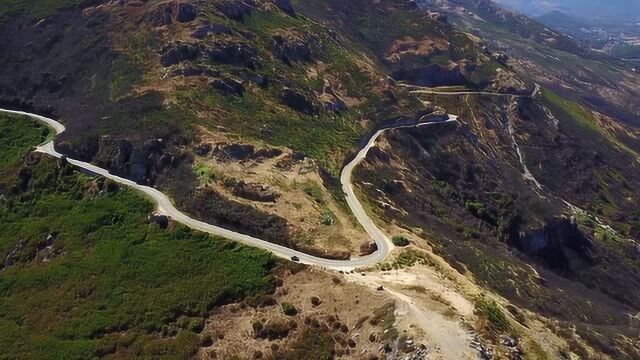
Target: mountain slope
pixel 519 221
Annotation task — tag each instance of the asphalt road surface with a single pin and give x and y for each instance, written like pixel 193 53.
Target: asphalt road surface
pixel 165 206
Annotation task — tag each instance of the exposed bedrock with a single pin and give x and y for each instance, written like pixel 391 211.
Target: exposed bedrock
pixel 554 242
pixel 431 75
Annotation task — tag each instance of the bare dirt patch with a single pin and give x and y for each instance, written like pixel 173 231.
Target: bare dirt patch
pixel 297 192
pixel 313 313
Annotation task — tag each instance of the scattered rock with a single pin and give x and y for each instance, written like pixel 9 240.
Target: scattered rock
pixel 161 220
pixel 240 152
pixel 517 314
pixel 14 254
pixel 195 70
pixel 203 149
pixel 234 151
pixel 160 16
pixel 432 75
pixel 438 16
pixel 234 9
pixel 266 153
pixel 376 153
pixel 332 103
pixel 201 32
pixel 185 13
pixel 285 6
pixel 291 50
pixel 255 192
pixel 113 154
pixel 228 86
pixel 368 248
pixel 176 53
pixel 234 53
pixel 297 101
pixel 215 29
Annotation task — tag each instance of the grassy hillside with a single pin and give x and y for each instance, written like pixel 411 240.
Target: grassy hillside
pixel 17 136
pixel 35 8
pixel 85 274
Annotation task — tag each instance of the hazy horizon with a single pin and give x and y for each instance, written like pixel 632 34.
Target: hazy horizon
pixel 620 10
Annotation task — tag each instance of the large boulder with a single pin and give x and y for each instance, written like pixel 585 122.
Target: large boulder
pixel 228 86
pixel 195 70
pixel 555 242
pixel 176 53
pixel 234 151
pixel 163 14
pixel 255 192
pixel 215 29
pixel 235 9
pixel 83 149
pixel 160 16
pixel 285 6
pixel 233 53
pixel 291 50
pixel 368 248
pixel 185 12
pixel 432 75
pixel 113 154
pixel 297 101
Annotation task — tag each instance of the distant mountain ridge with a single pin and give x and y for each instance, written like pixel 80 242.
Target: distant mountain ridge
pixel 620 10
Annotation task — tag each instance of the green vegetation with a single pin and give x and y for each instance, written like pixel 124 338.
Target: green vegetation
pixel 400 240
pixel 489 309
pixel 288 309
pixel 385 317
pixel 88 275
pixel 626 51
pixel 313 345
pixel 206 175
pixel 36 8
pixel 567 111
pixel 18 134
pixel 125 73
pixel 327 217
pixel 253 116
pixel 535 352
pixel 313 190
pixel 407 258
pixel 581 122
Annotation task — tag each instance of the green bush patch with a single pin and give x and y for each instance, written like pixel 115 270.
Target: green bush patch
pixel 18 135
pixel 489 309
pixel 86 274
pixel 400 240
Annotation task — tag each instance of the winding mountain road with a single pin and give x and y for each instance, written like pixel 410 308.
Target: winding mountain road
pixel 414 89
pixel 166 207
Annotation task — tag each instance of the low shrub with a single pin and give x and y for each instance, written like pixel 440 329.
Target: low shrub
pixel 400 240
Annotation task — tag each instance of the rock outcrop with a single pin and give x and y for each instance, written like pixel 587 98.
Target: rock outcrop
pixel 185 13
pixel 241 152
pixel 431 75
pixel 160 16
pixel 214 29
pixel 255 192
pixel 298 101
pixel 235 9
pixel 552 242
pixel 234 53
pixel 285 6
pixel 176 53
pixel 290 49
pixel 228 86
pixel 164 14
